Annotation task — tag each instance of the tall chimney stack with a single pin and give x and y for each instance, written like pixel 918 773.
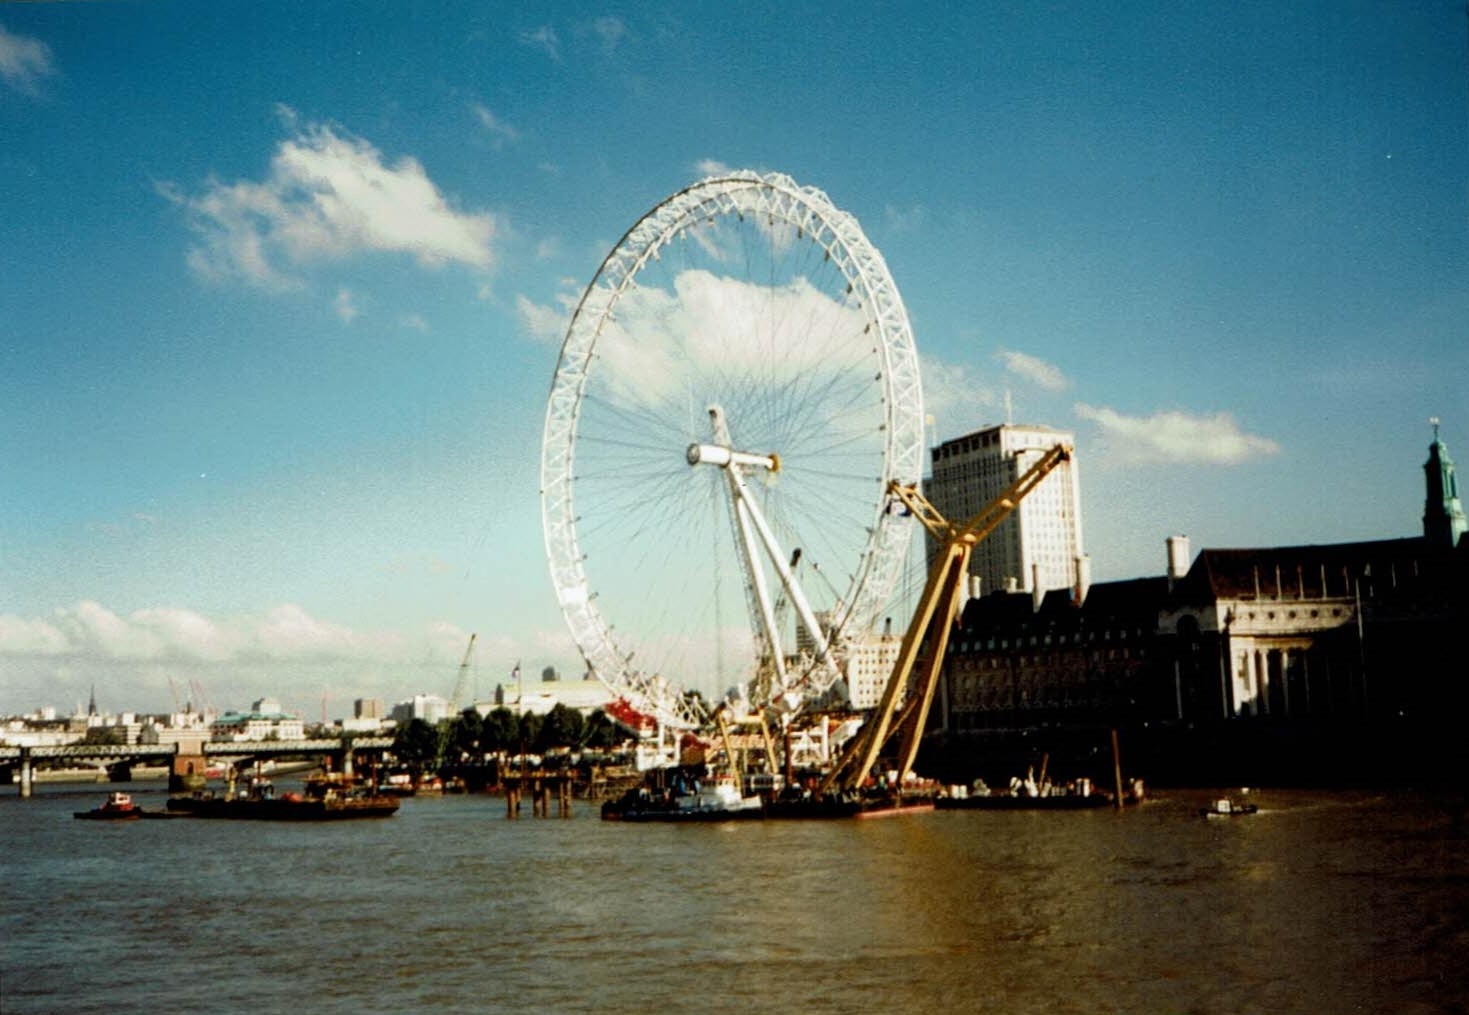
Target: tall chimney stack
pixel 1178 559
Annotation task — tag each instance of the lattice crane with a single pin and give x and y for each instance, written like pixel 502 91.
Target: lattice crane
pixel 456 702
pixel 903 709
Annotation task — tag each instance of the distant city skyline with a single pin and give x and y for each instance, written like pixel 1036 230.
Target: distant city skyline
pixel 274 356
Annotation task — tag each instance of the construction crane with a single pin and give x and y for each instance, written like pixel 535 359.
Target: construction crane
pixel 456 701
pixel 903 709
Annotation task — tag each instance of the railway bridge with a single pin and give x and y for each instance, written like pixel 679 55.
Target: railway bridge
pixel 187 760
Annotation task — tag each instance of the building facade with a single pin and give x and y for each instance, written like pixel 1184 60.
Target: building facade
pixel 1304 635
pixel 1040 545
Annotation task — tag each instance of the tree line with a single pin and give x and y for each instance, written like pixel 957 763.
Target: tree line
pixel 472 739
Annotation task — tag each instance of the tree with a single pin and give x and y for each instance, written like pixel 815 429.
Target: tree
pixel 466 733
pixel 600 732
pixel 529 731
pixel 499 732
pixel 416 746
pixel 563 727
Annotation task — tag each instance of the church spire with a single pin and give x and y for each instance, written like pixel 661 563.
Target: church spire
pixel 1443 514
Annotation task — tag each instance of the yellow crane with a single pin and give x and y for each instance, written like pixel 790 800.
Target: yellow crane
pixel 903 709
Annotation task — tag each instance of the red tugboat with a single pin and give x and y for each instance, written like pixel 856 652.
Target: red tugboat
pixel 117 807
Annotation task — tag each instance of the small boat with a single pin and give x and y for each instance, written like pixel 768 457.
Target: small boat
pixel 1227 807
pixel 117 807
pixel 717 799
pixel 322 799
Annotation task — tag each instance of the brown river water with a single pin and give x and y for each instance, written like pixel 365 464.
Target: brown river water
pixel 1327 903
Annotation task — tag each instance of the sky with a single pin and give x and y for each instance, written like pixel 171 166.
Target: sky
pixel 283 286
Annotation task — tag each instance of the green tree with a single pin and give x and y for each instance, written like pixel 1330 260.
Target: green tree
pixel 529 731
pixel 416 745
pixel 563 727
pixel 499 732
pixel 601 733
pixel 466 733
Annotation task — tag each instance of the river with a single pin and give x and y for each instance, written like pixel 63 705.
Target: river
pixel 1322 903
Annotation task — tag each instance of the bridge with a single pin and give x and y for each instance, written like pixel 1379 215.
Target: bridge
pixel 186 760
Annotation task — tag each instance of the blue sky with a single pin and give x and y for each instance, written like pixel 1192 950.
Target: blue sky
pixel 282 287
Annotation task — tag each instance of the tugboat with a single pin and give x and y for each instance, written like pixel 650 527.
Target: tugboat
pixel 117 807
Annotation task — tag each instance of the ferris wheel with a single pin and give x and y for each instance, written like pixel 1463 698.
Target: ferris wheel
pixel 737 388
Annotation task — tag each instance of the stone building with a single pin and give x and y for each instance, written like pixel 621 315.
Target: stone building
pixel 1366 635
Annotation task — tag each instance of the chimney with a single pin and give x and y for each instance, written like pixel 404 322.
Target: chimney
pixel 1083 579
pixel 1178 555
pixel 1037 590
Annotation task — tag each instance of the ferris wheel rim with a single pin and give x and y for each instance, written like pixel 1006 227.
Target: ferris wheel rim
pixel 837 232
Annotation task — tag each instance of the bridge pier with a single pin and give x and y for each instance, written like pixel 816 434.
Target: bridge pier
pixel 27 774
pixel 187 773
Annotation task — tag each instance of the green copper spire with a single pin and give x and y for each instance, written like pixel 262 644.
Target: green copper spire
pixel 1443 515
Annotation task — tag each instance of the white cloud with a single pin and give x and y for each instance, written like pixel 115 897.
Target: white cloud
pixel 1175 437
pixel 712 167
pixel 1036 371
pixel 329 196
pixel 546 324
pixel 955 401
pixel 610 32
pixel 131 660
pixel 414 322
pixel 905 220
pixel 544 39
pixel 345 306
pixel 499 130
pixel 719 324
pixel 159 634
pixel 24 62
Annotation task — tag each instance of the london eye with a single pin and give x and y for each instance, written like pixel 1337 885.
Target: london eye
pixel 737 388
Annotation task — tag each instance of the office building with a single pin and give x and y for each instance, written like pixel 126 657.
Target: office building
pixel 1039 547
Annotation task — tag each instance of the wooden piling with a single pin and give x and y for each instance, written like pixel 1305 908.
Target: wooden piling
pixel 1117 800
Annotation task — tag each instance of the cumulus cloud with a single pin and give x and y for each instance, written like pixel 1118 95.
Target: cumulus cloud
pixel 328 196
pixel 163 634
pixel 549 323
pixel 1176 438
pixel 24 62
pixel 543 323
pixel 956 400
pixel 712 167
pixel 722 326
pixel 1030 368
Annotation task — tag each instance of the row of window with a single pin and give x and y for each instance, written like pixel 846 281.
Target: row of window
pixel 1038 640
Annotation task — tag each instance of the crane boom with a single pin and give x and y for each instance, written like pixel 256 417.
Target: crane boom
pixel 456 702
pixel 904 706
